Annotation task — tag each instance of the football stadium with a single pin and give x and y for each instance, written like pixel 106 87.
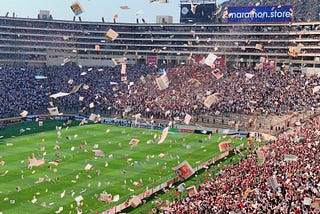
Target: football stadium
pixel 216 113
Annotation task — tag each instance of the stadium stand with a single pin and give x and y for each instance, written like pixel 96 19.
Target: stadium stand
pixel 264 78
pixel 285 182
pixel 49 42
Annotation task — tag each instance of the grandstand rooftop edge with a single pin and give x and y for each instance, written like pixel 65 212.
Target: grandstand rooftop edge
pixel 40 42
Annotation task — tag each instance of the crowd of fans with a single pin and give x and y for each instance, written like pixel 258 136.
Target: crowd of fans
pixel 276 185
pixel 268 92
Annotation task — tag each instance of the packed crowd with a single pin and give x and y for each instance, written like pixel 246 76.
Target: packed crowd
pixel 23 91
pixel 102 91
pixel 287 181
pixel 20 91
pixel 267 92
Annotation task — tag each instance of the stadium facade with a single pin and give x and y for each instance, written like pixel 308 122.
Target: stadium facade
pixel 51 42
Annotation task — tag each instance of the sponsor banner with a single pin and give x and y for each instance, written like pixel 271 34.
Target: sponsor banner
pixel 151 60
pixel 186 130
pixel 202 132
pixel 260 14
pixel 62 118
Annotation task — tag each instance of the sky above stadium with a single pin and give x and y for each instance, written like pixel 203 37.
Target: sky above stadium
pixel 94 10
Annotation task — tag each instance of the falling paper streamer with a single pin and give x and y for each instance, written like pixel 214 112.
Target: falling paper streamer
pixel 249 76
pixel 124 7
pixel 307 201
pixel 211 58
pixel 193 8
pixel 116 198
pixel 88 167
pixel 183 170
pixel 94 117
pixel 164 135
pixel 53 111
pixel 86 87
pixel 316 89
pixel 34 200
pixel 111 34
pixel 252 12
pixel 98 153
pixel 60 94
pixel 290 157
pixel 123 68
pixel 70 81
pixel 76 88
pixel 139 12
pixel 192 191
pixel 196 83
pixel 5 173
pixel 40 77
pixel 134 142
pixel 163 81
pixel 59 210
pixel 63 194
pixel 193 33
pixel 39 181
pixel 105 197
pixel 259 47
pixel 78 199
pixel 124 79
pixel 187 119
pixel 76 8
pixel 217 73
pixel 211 100
pixel 246 193
pixel 34 162
pixel 66 60
pixel 119 61
pixel 24 113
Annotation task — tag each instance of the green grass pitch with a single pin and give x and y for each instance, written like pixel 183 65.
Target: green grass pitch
pixel 115 173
